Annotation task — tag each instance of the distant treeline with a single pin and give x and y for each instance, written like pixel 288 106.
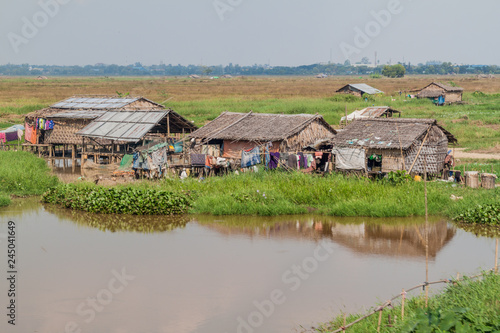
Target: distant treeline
pixel 179 70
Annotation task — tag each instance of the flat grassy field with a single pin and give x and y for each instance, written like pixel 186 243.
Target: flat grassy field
pixel 476 124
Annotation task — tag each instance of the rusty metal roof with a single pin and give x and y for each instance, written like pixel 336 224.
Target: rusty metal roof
pixel 123 125
pixel 94 103
pixel 88 114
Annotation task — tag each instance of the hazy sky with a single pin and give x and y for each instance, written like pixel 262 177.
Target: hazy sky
pixel 247 32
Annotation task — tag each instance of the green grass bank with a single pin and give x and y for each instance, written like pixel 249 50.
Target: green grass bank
pixel 23 174
pixel 283 193
pixel 467 306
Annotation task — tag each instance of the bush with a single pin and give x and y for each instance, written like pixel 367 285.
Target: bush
pixel 115 200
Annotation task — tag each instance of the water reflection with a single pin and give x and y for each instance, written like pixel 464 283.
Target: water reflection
pixel 490 231
pixel 210 271
pixel 117 222
pixel 380 236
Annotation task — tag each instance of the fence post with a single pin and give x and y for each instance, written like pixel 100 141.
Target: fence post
pixel 496 256
pixel 403 297
pixel 379 319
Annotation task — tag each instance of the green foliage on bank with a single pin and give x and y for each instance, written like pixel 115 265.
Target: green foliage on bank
pixel 279 193
pixel 483 214
pixel 464 306
pixel 23 174
pixel 117 200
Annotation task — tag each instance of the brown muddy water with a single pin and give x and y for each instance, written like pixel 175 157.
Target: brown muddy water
pixel 80 272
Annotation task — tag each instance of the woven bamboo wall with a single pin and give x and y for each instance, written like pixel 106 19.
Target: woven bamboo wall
pixel 434 149
pixel 64 132
pixel 453 97
pixel 309 135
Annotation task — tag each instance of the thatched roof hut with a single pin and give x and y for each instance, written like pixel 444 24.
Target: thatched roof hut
pixel 384 145
pixel 72 114
pixel 435 90
pixel 358 89
pixel 287 133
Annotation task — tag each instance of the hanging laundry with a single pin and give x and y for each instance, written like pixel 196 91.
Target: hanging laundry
pixel 318 154
pixel 274 160
pixel 292 161
pixel 2 138
pixel 11 136
pixel 198 159
pixel 251 157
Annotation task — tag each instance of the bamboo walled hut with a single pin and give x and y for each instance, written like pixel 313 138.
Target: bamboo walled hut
pixel 358 89
pixel 384 145
pixel 58 124
pixel 371 112
pixel 231 135
pixel 440 93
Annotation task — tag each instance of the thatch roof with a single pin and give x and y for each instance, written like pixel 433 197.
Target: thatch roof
pixel 430 93
pixel 445 87
pixel 386 133
pixel 257 126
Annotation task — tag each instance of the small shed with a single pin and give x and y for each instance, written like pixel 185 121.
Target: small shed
pixel 58 124
pixel 371 112
pixel 358 89
pixel 232 132
pixel 385 145
pixel 440 93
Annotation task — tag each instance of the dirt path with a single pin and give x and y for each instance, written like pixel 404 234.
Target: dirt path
pixel 460 153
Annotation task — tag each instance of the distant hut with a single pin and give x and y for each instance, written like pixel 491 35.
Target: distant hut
pixel 358 89
pixel 231 133
pixel 440 93
pixel 371 112
pixel 58 124
pixel 385 145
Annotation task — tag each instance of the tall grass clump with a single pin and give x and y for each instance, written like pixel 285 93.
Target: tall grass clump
pixel 23 174
pixel 464 306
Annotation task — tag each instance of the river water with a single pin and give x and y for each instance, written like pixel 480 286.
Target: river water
pixel 80 272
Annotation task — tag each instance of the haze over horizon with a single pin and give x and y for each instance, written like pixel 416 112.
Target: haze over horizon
pixel 219 32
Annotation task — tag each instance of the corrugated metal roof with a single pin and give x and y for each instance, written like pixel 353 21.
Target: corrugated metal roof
pixel 366 88
pixel 94 103
pixel 90 114
pixel 370 112
pixel 123 125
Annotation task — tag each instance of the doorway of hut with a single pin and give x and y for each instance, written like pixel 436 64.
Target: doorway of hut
pixel 374 163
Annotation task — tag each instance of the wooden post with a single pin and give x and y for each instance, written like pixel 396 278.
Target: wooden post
pixel 73 152
pixel 346 114
pixel 83 152
pixel 168 125
pixel 379 319
pixel 403 297
pixel 496 256
pixel 426 234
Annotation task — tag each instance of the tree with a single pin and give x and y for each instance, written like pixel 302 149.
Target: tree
pixel 394 71
pixel 365 60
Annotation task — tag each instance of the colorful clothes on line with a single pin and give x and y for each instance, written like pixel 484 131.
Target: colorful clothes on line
pixel 274 160
pixel 249 158
pixel 11 136
pixel 30 133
